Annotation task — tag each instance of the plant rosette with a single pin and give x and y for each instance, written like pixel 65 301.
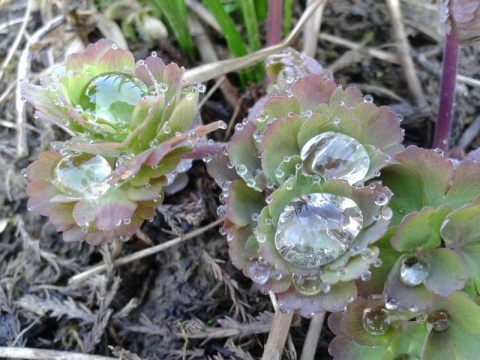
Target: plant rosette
pixel 448 330
pixel 300 220
pixel 132 134
pixel 430 249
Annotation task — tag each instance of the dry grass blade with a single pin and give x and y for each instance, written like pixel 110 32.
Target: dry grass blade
pixel 22 72
pixel 311 341
pixel 312 27
pixel 213 70
pixel 141 254
pixel 37 354
pixel 278 335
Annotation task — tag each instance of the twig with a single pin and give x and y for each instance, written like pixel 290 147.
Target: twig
pixel 312 27
pixel 278 335
pixel 18 38
pixel 22 72
pixel 379 54
pixel 209 71
pixel 405 58
pixel 388 56
pixel 313 334
pixel 32 353
pixel 447 93
pixel 469 135
pixel 141 254
pixel 203 14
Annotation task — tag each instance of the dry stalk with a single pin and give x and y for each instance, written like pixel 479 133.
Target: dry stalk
pixel 313 334
pixel 312 27
pixel 406 60
pixel 31 353
pixel 141 254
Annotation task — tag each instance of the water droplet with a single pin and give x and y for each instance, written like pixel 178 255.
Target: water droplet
pixel 421 317
pixel 207 157
pixel 336 120
pixel 387 214
pixel 153 54
pixel 438 150
pixel 372 186
pixel 366 275
pixel 391 303
pixel 325 287
pixel 377 263
pixel 222 124
pixel 413 271
pixel 259 273
pixel 308 285
pixel 261 238
pixel 375 321
pixel 279 173
pixel 239 127
pixel 276 275
pixel 24 172
pixel 222 231
pixel 229 236
pixel 368 98
pixel 221 211
pixel 127 221
pixel 367 254
pixel 333 156
pixel 154 143
pixel 255 216
pixel 316 229
pixel 440 320
pixel 242 170
pixel 413 308
pixel 251 182
pixel 82 175
pixel 112 97
pixel 381 199
pixel 201 88
pixel 114 46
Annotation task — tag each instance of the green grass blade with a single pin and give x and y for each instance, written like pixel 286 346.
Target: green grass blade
pixel 261 7
pixel 251 24
pixel 175 15
pixel 287 16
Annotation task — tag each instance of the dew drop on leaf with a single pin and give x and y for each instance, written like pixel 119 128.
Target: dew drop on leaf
pixel 439 320
pixel 82 175
pixel 413 271
pixel 376 321
pixel 316 229
pixel 333 156
pixel 307 285
pixel 112 97
pixel 259 273
pixel 391 304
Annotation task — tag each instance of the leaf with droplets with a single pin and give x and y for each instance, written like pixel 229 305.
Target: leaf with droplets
pixel 420 230
pixel 242 203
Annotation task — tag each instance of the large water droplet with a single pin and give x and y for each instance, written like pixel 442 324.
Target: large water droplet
pixel 376 321
pixel 112 97
pixel 334 156
pixel 413 271
pixel 259 273
pixel 316 229
pixel 82 175
pixel 307 285
pixel 439 320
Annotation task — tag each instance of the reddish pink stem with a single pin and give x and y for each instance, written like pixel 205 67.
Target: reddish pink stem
pixel 274 22
pixel 447 94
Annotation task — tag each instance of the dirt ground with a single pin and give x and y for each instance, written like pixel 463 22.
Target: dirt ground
pixel 187 302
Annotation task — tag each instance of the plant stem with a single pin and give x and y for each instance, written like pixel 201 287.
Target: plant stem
pixel 278 335
pixel 313 334
pixel 274 22
pixel 447 93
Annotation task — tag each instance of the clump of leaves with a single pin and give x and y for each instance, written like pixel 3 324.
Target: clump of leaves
pixel 131 129
pixel 422 301
pixel 300 219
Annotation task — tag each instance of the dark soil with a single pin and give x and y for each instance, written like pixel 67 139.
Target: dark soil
pixel 187 302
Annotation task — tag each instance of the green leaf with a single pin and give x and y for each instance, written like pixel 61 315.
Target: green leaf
pixel 279 140
pixel 175 14
pixel 420 230
pixel 242 203
pixel 447 272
